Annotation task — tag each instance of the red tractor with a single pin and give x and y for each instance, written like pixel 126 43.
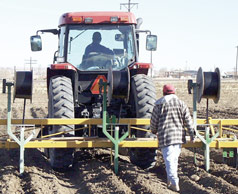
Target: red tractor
pixel 93 45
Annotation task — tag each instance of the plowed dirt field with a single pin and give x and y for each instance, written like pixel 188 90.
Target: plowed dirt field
pixel 92 171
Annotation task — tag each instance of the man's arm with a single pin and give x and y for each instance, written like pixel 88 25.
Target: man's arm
pixel 87 50
pixel 154 120
pixel 189 123
pixel 106 50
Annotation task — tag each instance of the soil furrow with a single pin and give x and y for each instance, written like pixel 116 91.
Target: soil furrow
pixel 141 181
pixel 10 182
pixel 205 179
pixel 94 174
pixel 41 178
pixel 189 186
pixel 218 168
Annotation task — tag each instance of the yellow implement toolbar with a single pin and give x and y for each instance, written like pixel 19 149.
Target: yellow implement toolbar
pixel 105 143
pixel 90 121
pixel 92 142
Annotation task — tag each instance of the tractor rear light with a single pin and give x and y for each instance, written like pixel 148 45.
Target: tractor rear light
pixel 62 66
pixel 141 66
pixel 114 19
pixel 77 18
pixel 124 19
pixel 88 20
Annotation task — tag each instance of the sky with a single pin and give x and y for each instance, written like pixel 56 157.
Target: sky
pixel 191 33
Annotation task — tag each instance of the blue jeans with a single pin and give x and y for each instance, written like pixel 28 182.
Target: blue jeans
pixel 171 154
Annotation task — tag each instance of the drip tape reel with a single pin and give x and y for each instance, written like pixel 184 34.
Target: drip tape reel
pixel 209 85
pixel 118 84
pixel 23 84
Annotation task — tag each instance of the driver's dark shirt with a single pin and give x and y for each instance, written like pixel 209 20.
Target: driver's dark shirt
pixel 97 48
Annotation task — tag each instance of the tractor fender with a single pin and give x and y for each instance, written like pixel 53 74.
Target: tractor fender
pixel 66 70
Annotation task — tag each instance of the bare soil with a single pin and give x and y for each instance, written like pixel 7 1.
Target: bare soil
pixel 92 171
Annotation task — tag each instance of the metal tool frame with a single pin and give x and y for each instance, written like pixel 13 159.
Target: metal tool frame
pixel 208 137
pixel 22 141
pixel 205 141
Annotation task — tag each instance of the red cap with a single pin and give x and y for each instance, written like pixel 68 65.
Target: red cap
pixel 168 89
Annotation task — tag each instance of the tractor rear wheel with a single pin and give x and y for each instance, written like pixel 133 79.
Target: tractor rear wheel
pixel 142 99
pixel 61 105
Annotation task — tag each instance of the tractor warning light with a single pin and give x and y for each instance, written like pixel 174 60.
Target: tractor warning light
pixel 77 19
pixel 124 19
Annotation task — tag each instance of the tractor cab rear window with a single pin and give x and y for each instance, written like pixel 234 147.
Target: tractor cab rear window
pixel 98 47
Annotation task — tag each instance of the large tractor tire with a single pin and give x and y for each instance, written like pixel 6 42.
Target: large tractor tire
pixel 142 99
pixel 61 105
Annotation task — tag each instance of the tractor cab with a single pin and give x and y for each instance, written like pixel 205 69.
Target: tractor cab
pixel 95 41
pixel 99 47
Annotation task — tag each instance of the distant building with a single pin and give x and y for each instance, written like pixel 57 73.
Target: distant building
pixel 189 73
pixel 178 74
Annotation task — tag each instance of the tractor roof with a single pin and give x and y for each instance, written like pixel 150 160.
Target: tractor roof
pixel 97 18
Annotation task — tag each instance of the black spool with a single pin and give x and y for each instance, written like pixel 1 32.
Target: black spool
pixel 23 84
pixel 209 85
pixel 119 84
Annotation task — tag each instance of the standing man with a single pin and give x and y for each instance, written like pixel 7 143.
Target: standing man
pixel 169 119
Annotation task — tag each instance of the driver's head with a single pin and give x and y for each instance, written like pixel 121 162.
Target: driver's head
pixel 97 37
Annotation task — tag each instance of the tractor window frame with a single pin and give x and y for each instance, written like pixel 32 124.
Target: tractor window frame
pixel 90 27
pixel 62 41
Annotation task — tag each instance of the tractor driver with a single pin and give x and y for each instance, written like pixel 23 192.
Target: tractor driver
pixel 95 46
